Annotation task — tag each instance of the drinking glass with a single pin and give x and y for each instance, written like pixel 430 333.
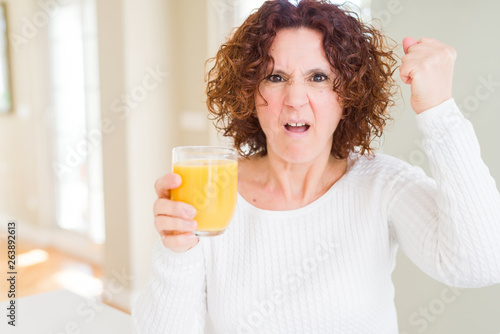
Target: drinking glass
pixel 209 183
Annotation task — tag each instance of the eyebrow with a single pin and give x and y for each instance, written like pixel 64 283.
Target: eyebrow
pixel 311 71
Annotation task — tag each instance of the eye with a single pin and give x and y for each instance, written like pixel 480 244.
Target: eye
pixel 275 78
pixel 319 77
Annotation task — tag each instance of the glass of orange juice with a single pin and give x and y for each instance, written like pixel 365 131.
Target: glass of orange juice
pixel 209 183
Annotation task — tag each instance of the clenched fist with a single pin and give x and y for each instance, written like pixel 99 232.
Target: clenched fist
pixel 428 67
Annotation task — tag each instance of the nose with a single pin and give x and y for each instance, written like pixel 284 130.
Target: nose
pixel 296 94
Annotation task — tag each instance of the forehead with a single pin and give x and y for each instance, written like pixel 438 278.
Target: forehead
pixel 302 46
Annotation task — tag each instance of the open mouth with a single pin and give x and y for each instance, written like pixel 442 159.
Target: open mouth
pixel 297 127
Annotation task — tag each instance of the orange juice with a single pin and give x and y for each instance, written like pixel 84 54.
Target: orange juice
pixel 211 187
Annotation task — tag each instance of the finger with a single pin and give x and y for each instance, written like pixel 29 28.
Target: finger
pixel 423 51
pixel 181 242
pixel 405 73
pixel 420 50
pixel 407 42
pixel 167 182
pixel 410 64
pixel 163 206
pixel 428 40
pixel 164 224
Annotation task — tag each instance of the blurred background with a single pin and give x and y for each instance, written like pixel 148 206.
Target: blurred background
pixel 94 94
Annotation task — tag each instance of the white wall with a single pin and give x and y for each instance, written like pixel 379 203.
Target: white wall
pixel 154 53
pixel 148 40
pixel 472 29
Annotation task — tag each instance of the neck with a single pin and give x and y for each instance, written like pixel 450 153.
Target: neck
pixel 302 182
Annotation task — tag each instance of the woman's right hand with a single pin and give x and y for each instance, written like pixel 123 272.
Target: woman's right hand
pixel 174 219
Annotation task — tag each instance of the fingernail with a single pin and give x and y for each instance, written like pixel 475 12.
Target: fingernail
pixel 192 224
pixel 190 212
pixel 177 178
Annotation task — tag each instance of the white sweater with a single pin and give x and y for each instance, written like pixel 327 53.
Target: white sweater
pixel 326 267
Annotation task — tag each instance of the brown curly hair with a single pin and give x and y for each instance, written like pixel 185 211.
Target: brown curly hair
pixel 357 53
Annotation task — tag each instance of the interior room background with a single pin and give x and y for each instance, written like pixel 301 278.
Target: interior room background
pixel 102 90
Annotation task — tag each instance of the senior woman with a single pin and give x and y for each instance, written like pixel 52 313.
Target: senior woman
pixel 303 90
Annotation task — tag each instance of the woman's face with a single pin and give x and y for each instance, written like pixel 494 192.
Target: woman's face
pixel 302 110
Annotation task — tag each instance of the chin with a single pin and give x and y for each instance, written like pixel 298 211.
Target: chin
pixel 297 155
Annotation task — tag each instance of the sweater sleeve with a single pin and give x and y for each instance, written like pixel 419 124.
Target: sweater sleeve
pixel 174 298
pixel 448 225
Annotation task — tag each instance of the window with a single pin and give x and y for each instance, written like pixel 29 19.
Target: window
pixel 5 89
pixel 74 91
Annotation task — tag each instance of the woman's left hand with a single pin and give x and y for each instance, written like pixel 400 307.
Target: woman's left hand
pixel 428 67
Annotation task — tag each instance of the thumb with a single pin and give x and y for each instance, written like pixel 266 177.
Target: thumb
pixel 407 42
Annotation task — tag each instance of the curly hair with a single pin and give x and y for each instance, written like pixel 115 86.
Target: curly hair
pixel 357 53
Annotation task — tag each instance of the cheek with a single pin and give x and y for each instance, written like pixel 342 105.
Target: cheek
pixel 266 120
pixel 324 96
pixel 268 113
pixel 327 109
pixel 273 95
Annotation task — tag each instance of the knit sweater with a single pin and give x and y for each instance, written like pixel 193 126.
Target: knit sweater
pixel 326 267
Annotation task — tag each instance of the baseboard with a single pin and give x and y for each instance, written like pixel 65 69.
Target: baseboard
pixel 78 246
pixel 65 241
pixel 120 300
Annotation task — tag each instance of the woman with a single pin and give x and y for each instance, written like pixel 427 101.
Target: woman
pixel 303 90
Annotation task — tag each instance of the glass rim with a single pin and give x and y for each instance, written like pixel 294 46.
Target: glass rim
pixel 198 147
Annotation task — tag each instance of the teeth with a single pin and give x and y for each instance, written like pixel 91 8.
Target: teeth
pixel 296 124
